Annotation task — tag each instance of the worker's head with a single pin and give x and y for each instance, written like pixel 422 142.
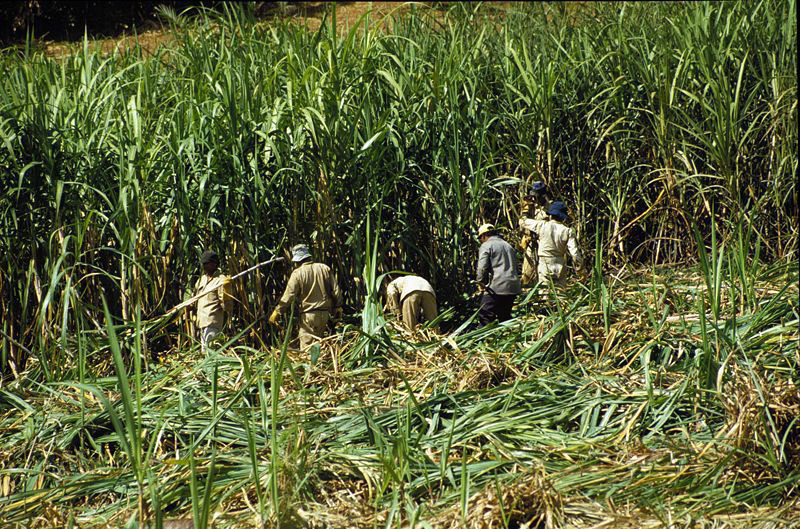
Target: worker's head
pixel 209 261
pixel 486 231
pixel 384 284
pixel 300 254
pixel 538 194
pixel 558 211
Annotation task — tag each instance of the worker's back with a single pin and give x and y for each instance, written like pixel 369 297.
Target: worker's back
pixel 313 287
pixel 556 240
pixel 553 239
pixel 497 267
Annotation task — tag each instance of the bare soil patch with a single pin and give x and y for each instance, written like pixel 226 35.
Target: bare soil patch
pixel 309 14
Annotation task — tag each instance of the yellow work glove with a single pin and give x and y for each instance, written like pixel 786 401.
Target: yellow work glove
pixel 273 318
pixel 523 243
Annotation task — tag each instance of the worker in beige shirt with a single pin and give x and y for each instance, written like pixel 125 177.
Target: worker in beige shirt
pixel 555 241
pixel 215 299
pixel 534 206
pixel 411 296
pixel 314 290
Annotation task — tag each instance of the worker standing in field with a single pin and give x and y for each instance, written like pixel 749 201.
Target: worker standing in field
pixel 314 290
pixel 410 297
pixel 215 299
pixel 497 275
pixel 534 206
pixel 556 240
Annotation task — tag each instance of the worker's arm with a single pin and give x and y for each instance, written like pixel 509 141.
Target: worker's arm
pixel 393 296
pixel 531 225
pixel 484 265
pixel 531 228
pixel 574 250
pixel 291 293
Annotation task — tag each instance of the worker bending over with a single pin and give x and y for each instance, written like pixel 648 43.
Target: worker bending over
pixel 411 296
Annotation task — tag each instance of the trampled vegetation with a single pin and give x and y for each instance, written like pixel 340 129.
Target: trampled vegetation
pixel 662 391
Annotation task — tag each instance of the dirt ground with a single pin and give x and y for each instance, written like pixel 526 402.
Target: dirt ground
pixel 310 14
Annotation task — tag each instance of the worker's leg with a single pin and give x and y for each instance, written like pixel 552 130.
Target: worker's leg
pixel 550 270
pixel 207 334
pixel 487 313
pixel 312 327
pixel 411 309
pixel 428 306
pixel 503 307
pixel 305 334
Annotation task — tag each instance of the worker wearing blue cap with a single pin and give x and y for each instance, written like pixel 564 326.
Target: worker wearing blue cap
pixel 555 241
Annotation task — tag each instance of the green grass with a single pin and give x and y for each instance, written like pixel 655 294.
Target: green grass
pixel 433 428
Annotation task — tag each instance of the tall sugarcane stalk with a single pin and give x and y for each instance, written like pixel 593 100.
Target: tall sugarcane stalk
pixel 118 167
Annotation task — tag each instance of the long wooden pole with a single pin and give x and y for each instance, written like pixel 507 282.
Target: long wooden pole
pixel 225 281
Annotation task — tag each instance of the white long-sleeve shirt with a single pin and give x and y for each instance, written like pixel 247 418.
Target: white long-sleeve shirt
pixel 402 287
pixel 555 241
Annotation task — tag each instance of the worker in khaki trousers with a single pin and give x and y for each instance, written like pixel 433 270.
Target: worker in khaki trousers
pixel 214 301
pixel 314 290
pixel 411 296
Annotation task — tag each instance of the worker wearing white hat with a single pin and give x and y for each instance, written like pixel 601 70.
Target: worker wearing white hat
pixel 497 274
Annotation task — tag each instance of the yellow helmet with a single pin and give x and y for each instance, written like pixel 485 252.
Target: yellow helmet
pixel 486 228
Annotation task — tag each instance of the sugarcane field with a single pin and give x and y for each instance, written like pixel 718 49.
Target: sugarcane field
pixel 386 265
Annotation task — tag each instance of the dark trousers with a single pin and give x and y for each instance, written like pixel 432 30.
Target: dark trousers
pixel 495 307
